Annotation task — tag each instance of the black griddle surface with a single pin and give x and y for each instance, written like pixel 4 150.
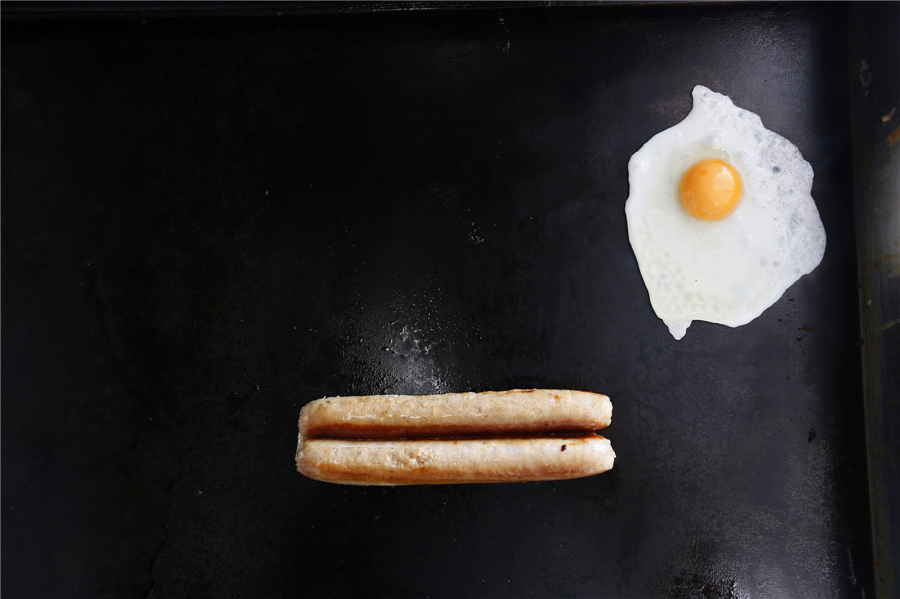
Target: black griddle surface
pixel 210 221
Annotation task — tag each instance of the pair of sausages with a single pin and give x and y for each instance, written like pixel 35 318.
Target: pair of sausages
pixel 508 436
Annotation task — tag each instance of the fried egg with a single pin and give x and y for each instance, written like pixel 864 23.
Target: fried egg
pixel 720 216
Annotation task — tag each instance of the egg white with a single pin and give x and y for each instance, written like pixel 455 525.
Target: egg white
pixel 727 271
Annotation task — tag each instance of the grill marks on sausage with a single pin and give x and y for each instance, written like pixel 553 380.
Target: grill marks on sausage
pixel 437 431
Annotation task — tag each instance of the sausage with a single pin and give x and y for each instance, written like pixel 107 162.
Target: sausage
pixel 492 413
pixel 509 436
pixel 449 461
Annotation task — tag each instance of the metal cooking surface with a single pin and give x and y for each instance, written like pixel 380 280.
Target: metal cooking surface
pixel 208 222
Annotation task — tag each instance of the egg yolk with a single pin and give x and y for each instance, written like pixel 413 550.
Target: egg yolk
pixel 711 190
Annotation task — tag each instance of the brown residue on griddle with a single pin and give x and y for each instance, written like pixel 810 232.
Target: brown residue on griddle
pixel 812 435
pixel 806 328
pixel 502 23
pixel 887 325
pixel 865 76
pixel 889 115
pixel 894 137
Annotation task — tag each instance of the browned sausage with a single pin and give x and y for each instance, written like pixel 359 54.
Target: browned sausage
pixel 510 436
pixel 492 413
pixel 447 461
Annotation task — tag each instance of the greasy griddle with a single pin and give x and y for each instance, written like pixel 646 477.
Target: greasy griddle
pixel 210 220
